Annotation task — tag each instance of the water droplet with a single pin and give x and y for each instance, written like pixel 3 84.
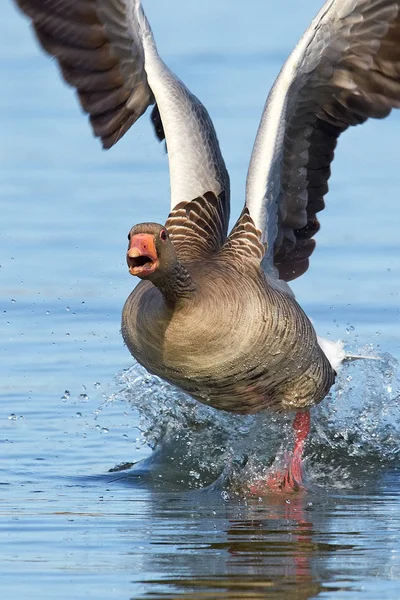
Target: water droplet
pixel 12 417
pixel 67 334
pixel 68 309
pixel 97 384
pixel 78 415
pixel 104 430
pixel 83 397
pixel 47 312
pixel 224 495
pixel 13 300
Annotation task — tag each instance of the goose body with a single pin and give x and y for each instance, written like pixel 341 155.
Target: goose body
pixel 240 352
pixel 214 313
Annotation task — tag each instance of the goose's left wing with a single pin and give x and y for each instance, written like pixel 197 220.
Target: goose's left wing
pixel 345 69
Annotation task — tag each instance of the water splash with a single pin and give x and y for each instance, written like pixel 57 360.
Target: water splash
pixel 357 425
pixel 190 438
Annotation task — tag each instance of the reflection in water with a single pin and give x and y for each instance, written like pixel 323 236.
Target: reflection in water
pixel 272 549
pixel 269 553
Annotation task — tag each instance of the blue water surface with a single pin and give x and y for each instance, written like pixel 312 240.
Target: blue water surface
pixel 73 408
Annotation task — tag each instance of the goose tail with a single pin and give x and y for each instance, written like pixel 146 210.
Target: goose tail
pixel 337 355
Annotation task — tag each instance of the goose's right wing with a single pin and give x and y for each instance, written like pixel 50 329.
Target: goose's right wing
pixel 106 50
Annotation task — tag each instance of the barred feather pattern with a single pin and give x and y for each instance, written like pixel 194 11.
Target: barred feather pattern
pixel 198 228
pixel 244 241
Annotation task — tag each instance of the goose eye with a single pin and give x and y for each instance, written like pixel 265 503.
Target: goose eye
pixel 129 236
pixel 163 235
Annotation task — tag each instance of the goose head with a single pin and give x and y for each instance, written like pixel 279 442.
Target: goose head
pixel 150 251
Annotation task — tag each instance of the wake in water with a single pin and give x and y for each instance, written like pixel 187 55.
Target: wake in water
pixel 355 429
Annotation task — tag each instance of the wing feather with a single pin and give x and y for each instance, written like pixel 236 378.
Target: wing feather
pixel 98 54
pixel 345 69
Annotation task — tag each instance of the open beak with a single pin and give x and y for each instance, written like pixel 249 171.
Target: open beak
pixel 142 255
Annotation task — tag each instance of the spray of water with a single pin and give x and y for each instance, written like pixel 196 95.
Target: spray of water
pixel 355 428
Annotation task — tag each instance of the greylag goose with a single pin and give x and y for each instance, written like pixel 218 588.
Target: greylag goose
pixel 214 314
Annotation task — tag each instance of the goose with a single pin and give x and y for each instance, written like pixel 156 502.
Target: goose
pixel 214 313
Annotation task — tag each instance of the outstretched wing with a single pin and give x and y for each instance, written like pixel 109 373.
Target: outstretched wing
pixel 106 50
pixel 100 53
pixel 345 69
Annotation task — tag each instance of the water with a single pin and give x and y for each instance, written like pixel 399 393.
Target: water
pixel 113 485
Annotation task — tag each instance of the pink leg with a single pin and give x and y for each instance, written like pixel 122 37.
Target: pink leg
pixel 290 478
pixel 301 426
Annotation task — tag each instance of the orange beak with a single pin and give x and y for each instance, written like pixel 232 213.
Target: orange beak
pixel 142 256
